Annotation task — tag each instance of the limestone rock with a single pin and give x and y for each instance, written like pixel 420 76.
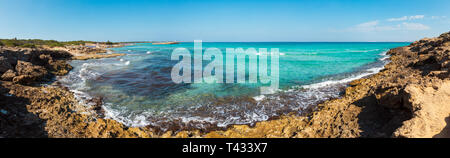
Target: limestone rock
pixel 4 65
pixel 28 73
pixel 8 75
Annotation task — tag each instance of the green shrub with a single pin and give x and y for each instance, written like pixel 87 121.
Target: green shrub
pixel 11 43
pixel 32 43
pixel 28 45
pixel 76 42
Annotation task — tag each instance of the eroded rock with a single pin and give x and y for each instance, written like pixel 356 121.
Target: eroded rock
pixel 28 73
pixel 5 65
pixel 8 75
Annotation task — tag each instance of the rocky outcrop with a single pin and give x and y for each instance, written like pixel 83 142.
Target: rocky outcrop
pixel 80 49
pixel 26 66
pixel 430 108
pixel 15 119
pixel 62 114
pixel 85 53
pixel 96 56
pixel 4 65
pixel 27 72
pixel 165 43
pixel 27 110
pixel 8 75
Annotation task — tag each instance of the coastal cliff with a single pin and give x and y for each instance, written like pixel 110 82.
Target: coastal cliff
pixel 409 98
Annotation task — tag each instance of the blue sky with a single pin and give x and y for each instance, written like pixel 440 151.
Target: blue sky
pixel 220 20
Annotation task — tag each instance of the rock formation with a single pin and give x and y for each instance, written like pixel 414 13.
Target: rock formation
pixel 27 65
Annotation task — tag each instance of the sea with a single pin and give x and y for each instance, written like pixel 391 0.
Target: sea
pixel 138 90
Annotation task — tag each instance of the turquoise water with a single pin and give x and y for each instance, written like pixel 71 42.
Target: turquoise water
pixel 137 88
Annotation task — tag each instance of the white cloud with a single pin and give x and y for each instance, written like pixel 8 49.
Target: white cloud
pixel 398 19
pixel 374 26
pixel 404 18
pixel 414 26
pixel 371 26
pixel 438 17
pixel 416 17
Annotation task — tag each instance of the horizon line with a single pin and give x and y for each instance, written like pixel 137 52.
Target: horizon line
pixel 149 41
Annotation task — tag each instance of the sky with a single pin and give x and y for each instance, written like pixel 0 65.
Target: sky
pixel 225 20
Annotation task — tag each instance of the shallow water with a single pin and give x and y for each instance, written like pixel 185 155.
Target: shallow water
pixel 138 90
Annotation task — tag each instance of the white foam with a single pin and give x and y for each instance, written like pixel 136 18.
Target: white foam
pixel 308 53
pixel 85 72
pixel 259 98
pixel 384 58
pixel 361 51
pixel 136 120
pixel 124 63
pixel 342 81
pixel 368 72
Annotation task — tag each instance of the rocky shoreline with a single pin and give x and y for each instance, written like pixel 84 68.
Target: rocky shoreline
pixel 409 98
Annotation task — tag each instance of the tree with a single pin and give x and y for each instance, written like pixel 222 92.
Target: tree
pixel 109 43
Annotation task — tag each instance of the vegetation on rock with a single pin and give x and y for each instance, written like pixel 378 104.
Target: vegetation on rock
pixel 33 43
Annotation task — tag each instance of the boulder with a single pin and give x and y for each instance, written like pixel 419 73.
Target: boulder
pixel 4 65
pixel 27 72
pixel 8 75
